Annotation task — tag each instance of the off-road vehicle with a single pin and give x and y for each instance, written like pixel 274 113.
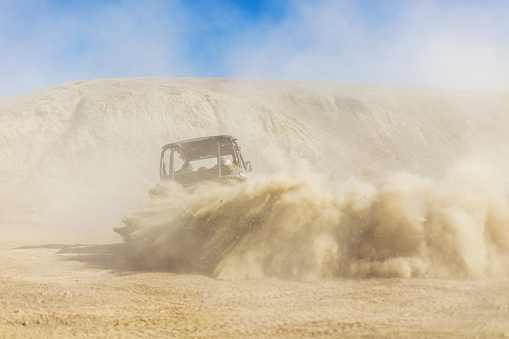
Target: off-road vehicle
pixel 214 159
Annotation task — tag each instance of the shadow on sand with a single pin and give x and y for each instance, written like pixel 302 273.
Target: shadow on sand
pixel 114 257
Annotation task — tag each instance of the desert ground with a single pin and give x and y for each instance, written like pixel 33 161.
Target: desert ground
pixel 55 290
pixel 373 211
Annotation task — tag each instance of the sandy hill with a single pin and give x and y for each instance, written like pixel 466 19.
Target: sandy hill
pixel 99 140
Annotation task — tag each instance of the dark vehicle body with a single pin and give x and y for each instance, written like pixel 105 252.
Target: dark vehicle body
pixel 209 159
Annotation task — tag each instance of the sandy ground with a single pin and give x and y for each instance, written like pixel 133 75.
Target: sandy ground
pixel 66 290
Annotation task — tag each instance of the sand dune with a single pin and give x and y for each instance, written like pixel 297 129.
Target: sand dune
pixel 95 144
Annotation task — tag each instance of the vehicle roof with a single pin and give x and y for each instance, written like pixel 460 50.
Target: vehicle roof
pixel 202 148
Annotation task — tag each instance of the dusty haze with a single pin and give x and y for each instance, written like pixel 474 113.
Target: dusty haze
pixel 350 180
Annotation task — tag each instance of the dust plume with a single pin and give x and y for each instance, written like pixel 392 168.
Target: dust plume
pixel 302 225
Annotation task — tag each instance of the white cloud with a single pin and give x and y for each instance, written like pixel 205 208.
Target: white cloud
pixel 51 45
pixel 448 44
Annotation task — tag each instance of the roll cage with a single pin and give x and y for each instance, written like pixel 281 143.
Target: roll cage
pixel 194 150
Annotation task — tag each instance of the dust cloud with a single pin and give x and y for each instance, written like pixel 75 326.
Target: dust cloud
pixel 302 225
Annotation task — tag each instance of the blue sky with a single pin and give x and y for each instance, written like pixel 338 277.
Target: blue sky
pixel 447 44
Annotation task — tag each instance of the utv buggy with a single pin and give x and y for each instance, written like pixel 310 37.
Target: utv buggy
pixel 214 159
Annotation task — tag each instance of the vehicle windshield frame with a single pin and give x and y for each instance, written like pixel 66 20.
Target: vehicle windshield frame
pixel 200 149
